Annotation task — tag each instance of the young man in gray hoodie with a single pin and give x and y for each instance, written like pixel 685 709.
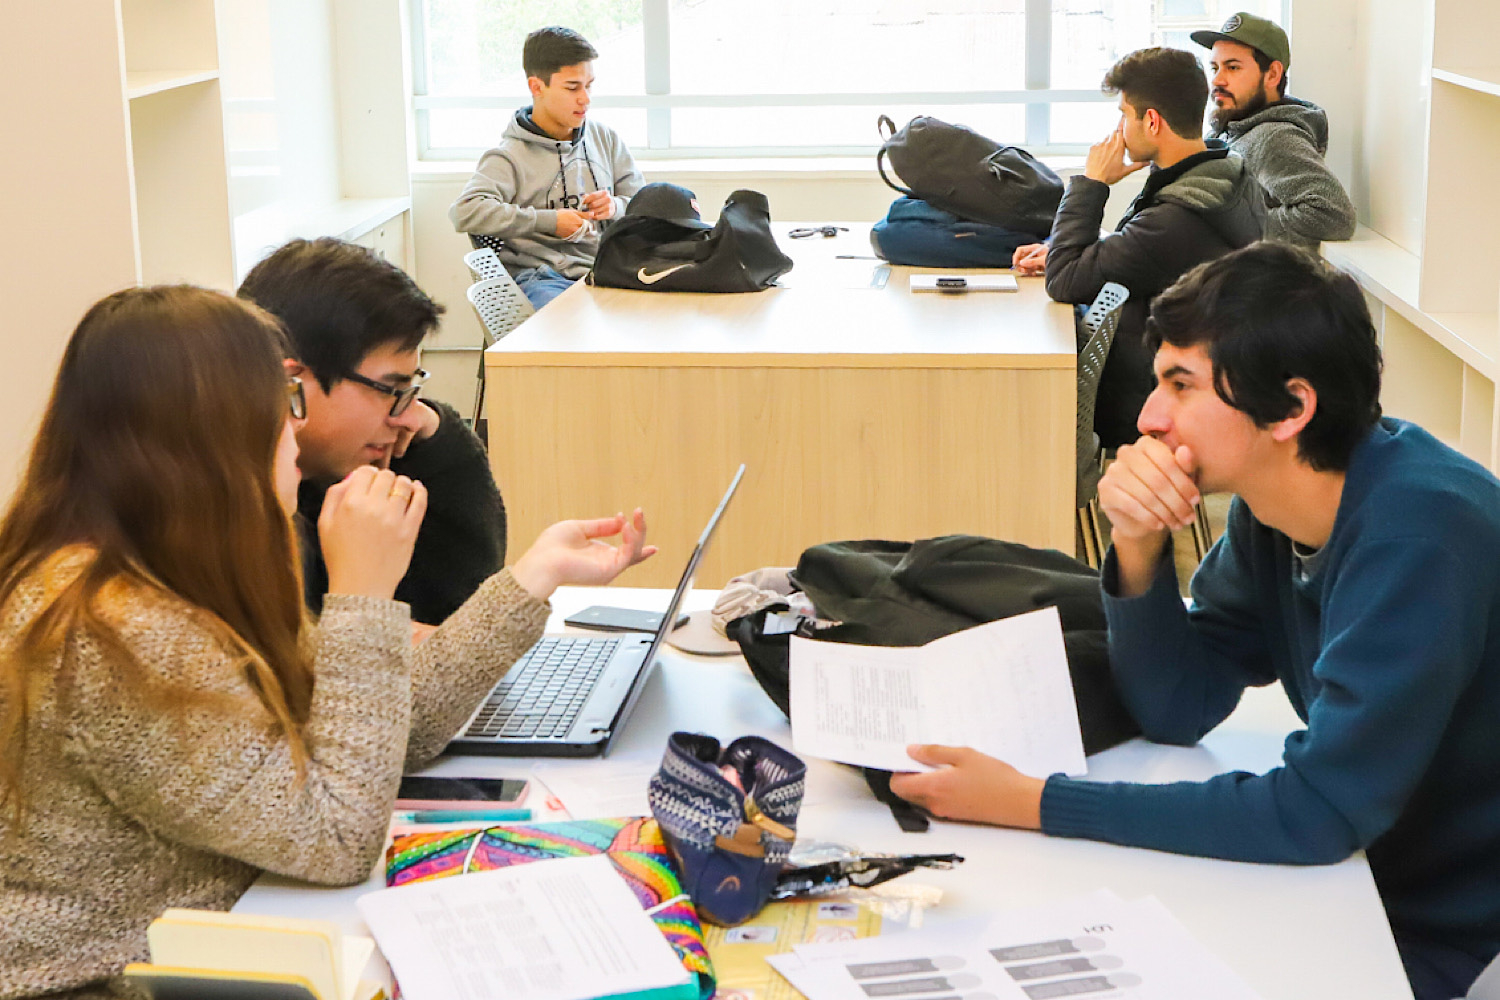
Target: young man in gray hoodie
pixel 540 196
pixel 1282 139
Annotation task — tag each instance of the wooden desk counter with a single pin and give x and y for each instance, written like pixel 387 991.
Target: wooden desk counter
pixel 861 412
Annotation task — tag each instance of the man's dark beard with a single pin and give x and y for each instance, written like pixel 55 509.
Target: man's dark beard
pixel 1220 118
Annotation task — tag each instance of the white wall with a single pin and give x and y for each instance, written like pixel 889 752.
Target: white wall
pixel 65 199
pixel 1365 62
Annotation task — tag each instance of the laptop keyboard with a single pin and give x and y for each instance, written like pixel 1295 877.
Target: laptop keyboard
pixel 543 693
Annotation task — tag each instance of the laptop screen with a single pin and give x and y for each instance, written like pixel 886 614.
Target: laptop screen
pixel 686 583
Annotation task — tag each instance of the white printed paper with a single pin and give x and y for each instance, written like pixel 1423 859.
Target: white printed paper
pixel 1094 946
pixel 971 283
pixel 564 929
pixel 599 789
pixel 1002 688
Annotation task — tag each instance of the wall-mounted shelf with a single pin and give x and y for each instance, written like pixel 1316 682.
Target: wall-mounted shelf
pixel 262 230
pixel 1484 81
pixel 144 83
pixel 1393 276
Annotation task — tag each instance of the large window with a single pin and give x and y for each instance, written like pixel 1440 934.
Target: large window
pixel 799 77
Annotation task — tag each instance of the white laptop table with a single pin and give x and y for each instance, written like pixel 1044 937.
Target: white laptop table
pixel 1292 933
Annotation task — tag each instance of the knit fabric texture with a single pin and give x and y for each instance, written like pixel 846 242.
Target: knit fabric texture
pixel 133 808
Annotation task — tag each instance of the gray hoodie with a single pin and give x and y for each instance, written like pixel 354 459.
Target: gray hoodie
pixel 521 183
pixel 1283 145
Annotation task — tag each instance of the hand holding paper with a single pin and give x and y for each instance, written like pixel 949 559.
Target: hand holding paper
pixel 1001 688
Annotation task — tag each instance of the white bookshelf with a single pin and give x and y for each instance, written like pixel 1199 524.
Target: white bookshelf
pixel 175 142
pixel 322 151
pixel 1438 308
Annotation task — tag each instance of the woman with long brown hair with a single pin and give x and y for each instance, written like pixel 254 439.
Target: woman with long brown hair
pixel 171 725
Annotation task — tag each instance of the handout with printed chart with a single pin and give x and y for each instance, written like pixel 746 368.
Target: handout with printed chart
pixel 1096 946
pixel 1002 688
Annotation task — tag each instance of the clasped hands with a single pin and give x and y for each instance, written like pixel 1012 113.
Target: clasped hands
pixel 596 207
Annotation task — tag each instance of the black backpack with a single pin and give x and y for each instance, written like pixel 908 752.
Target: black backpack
pixel 975 178
pixel 909 593
pixel 658 255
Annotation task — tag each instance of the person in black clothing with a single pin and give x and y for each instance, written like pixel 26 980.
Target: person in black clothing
pixel 356 323
pixel 1198 204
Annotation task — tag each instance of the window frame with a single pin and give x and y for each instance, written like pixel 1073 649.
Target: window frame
pixel 1038 97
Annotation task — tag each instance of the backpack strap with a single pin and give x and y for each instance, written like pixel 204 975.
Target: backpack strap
pixel 880 166
pixel 887 130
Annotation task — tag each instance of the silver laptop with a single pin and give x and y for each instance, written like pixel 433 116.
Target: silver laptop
pixel 569 695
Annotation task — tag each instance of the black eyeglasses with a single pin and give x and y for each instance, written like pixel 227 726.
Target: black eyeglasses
pixel 296 398
pixel 402 396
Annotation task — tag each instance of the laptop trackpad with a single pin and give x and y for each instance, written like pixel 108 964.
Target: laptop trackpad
pixel 608 696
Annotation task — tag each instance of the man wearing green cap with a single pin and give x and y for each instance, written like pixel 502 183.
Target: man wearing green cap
pixel 1282 139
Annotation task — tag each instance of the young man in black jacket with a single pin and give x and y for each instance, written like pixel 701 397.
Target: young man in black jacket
pixel 1198 204
pixel 357 323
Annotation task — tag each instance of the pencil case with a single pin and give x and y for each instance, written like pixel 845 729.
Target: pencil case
pixel 730 817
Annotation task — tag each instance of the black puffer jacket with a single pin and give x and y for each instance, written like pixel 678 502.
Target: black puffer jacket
pixel 1188 213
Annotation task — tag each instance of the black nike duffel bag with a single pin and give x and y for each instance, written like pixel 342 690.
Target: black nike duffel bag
pixel 661 244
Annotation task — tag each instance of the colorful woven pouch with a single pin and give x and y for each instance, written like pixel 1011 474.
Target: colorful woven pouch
pixel 635 845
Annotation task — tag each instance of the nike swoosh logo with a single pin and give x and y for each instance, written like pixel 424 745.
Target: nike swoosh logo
pixel 651 279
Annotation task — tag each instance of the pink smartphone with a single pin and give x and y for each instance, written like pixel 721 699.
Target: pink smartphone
pixel 446 793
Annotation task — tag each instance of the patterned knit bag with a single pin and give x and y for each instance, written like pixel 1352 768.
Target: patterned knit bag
pixel 634 845
pixel 730 817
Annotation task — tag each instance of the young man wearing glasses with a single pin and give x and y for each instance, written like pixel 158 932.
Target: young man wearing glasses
pixel 357 323
pixel 538 196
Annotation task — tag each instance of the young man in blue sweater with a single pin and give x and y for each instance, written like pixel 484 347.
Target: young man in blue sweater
pixel 1360 568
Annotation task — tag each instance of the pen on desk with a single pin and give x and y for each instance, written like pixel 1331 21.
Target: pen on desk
pixel 854 256
pixel 463 815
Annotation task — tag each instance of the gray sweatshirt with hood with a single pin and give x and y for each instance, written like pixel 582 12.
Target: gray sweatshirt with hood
pixel 1283 145
pixel 521 183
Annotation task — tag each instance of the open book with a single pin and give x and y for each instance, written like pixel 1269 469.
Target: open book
pixel 204 955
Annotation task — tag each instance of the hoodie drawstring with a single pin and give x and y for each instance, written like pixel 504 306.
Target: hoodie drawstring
pixel 562 167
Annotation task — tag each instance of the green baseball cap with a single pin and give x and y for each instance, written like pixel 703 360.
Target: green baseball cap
pixel 1256 32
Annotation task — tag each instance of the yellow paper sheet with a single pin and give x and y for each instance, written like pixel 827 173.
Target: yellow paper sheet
pixel 739 953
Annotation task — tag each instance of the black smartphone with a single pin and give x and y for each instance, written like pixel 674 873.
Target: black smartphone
pixel 418 792
pixel 607 619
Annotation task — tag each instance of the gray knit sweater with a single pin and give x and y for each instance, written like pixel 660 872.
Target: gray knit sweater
pixel 1283 145
pixel 133 809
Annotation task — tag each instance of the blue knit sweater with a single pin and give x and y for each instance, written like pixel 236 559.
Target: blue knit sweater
pixel 1388 645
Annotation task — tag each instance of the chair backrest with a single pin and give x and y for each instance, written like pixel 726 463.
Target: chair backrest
pixel 1098 325
pixel 501 305
pixel 483 263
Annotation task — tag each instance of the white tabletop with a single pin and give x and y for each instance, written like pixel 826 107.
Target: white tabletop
pixel 1292 933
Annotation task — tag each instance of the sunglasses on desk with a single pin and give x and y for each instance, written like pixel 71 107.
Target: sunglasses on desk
pixel 805 232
